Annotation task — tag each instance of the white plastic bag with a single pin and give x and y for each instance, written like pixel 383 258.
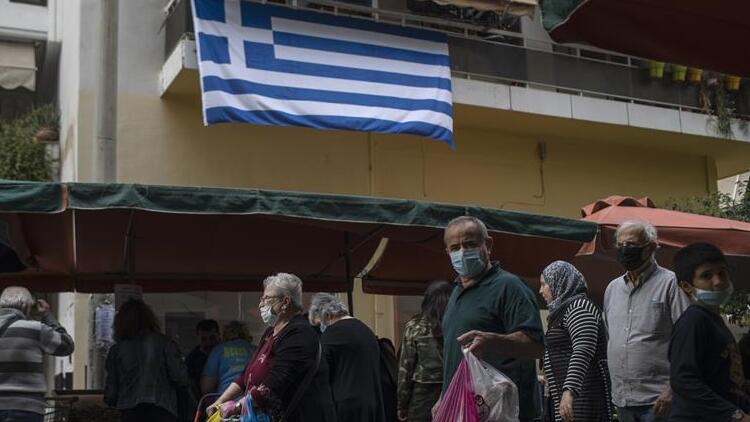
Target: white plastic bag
pixel 496 395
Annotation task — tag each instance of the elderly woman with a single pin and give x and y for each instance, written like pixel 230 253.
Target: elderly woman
pixel 228 359
pixel 575 356
pixel 277 376
pixel 353 355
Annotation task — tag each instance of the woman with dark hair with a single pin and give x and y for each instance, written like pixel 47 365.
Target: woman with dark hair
pixel 575 356
pixel 144 367
pixel 420 366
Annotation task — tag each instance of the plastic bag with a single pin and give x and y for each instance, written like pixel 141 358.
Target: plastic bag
pixel 495 395
pixel 248 414
pixel 457 403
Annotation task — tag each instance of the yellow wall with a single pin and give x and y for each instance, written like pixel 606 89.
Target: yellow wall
pixel 163 141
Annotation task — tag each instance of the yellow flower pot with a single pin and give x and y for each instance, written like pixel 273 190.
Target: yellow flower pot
pixel 678 73
pixel 732 82
pixel 694 75
pixel 656 69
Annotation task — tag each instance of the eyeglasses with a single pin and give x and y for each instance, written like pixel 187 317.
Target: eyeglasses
pixel 265 298
pixel 620 245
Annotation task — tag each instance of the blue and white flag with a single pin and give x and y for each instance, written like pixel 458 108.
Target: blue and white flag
pixel 273 65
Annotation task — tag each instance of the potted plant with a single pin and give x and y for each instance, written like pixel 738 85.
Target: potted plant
pixel 717 103
pixel 678 73
pixel 732 82
pixel 694 75
pixel 656 69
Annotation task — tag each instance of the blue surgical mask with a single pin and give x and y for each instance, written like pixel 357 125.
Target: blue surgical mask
pixel 468 262
pixel 714 298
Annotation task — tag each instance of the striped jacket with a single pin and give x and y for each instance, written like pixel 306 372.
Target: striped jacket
pixel 22 348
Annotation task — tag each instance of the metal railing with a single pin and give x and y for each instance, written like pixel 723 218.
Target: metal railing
pixel 508 57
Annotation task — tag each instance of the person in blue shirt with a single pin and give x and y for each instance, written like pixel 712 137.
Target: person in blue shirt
pixel 228 359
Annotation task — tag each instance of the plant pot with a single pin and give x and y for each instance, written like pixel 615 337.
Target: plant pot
pixel 47 135
pixel 694 75
pixel 656 69
pixel 732 82
pixel 678 73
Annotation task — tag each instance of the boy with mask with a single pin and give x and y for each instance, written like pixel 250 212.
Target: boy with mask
pixel 640 308
pixel 706 367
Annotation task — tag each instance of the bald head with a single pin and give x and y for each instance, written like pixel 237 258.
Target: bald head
pixel 17 298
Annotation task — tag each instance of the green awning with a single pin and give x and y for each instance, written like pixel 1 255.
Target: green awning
pixel 78 236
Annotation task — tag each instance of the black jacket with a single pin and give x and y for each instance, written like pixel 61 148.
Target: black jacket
pixel 293 354
pixel 147 369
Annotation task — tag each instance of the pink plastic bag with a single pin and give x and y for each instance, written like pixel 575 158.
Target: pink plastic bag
pixel 457 403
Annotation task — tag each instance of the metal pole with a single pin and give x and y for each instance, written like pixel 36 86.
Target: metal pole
pixel 105 139
pixel 349 279
pixel 105 147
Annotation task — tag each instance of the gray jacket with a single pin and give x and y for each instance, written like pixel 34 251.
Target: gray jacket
pixel 147 369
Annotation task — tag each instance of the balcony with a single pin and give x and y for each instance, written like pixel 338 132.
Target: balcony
pixel 502 68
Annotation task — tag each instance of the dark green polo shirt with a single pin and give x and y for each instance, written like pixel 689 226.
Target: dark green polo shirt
pixel 499 303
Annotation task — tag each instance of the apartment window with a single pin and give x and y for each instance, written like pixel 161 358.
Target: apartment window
pixel 32 2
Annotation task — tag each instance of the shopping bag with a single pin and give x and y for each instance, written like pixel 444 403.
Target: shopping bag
pixel 457 403
pixel 249 414
pixel 495 395
pixel 215 417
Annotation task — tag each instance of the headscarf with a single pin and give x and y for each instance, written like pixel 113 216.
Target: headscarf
pixel 566 284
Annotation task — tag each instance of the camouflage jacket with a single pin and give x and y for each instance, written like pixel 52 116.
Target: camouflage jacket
pixel 420 359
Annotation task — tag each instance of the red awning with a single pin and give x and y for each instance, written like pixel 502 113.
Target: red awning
pixel 709 35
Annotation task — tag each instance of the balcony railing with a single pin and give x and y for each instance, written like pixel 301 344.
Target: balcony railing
pixel 508 57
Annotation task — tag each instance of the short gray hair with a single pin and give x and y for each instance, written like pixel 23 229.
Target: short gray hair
pixel 328 305
pixel 288 285
pixel 17 298
pixel 648 231
pixel 467 219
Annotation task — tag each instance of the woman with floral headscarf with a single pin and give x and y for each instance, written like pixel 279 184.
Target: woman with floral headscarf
pixel 575 356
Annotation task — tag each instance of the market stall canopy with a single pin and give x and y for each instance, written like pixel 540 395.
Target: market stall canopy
pixel 88 237
pixel 703 34
pixel 676 229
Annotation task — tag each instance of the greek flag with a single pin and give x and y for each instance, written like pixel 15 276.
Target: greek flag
pixel 273 65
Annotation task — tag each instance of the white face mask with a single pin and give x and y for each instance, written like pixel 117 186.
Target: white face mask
pixel 267 315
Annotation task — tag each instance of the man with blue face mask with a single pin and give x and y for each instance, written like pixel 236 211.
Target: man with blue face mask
pixel 706 367
pixel 492 312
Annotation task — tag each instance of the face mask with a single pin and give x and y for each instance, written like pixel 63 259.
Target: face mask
pixel 713 298
pixel 630 257
pixel 468 262
pixel 323 327
pixel 267 315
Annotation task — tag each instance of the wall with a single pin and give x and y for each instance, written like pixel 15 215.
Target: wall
pixel 26 21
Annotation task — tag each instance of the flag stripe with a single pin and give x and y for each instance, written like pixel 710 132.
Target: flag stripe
pixel 259 56
pixel 255 14
pixel 358 49
pixel 283 52
pixel 238 86
pixel 266 117
pixel 329 84
pixel 254 102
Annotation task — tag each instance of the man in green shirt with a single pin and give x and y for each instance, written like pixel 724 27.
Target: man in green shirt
pixel 492 312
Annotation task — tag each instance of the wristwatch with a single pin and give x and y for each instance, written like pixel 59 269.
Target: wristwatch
pixel 738 415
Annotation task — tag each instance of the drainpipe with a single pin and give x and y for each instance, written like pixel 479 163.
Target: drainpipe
pixel 105 141
pixel 104 154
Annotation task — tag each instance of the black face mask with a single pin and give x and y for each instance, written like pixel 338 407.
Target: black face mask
pixel 630 256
